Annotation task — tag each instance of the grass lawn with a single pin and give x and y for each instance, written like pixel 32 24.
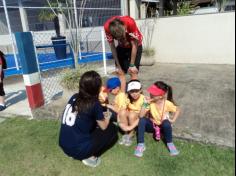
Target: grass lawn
pixel 30 148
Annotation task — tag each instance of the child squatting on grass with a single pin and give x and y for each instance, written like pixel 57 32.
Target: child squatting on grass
pixel 86 133
pixel 116 86
pixel 155 117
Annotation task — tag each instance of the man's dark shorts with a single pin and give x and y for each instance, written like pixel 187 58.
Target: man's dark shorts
pixel 2 93
pixel 124 56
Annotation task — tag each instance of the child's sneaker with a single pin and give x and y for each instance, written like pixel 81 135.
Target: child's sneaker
pixel 172 149
pixel 123 139
pixel 92 161
pixel 2 107
pixel 157 132
pixel 140 148
pixel 128 141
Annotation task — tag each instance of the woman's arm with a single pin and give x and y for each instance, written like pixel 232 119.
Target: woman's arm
pixel 103 124
pixel 113 108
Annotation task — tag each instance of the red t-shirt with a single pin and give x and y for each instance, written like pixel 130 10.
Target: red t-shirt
pixel 132 31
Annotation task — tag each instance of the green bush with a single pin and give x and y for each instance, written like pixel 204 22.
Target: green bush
pixel 71 77
pixel 184 8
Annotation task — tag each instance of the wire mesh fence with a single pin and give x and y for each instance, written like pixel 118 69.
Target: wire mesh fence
pixel 50 81
pixel 92 48
pixel 51 67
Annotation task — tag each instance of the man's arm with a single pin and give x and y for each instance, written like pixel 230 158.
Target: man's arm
pixel 132 68
pixel 134 46
pixel 114 54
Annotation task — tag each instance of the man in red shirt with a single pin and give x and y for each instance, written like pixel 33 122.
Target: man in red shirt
pixel 2 93
pixel 128 53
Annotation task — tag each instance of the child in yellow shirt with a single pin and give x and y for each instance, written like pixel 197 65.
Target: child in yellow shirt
pixel 136 100
pixel 163 112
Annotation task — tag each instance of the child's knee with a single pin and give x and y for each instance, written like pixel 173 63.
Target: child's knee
pixel 132 116
pixel 166 124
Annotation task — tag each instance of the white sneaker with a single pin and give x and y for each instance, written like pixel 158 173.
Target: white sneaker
pixel 123 139
pixel 128 141
pixel 92 161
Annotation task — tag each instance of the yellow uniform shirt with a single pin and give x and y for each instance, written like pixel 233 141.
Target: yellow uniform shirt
pixel 158 113
pixel 136 105
pixel 121 101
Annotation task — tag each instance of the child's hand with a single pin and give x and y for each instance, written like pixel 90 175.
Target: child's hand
pixel 124 127
pixel 172 121
pixel 147 99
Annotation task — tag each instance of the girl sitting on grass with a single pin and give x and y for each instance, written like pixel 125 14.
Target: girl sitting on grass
pixel 160 106
pixel 136 99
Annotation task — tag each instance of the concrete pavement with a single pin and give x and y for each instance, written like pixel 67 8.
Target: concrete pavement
pixel 205 93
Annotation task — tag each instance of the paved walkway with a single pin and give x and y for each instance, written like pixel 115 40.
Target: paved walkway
pixel 205 93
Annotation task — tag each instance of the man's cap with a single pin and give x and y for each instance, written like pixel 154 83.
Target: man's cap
pixel 156 91
pixel 113 83
pixel 133 85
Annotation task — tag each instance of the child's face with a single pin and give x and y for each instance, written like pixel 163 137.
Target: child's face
pixel 135 94
pixel 115 91
pixel 157 99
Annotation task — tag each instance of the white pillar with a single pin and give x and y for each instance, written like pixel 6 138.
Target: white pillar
pixel 62 23
pixel 10 33
pixel 133 9
pixel 104 52
pixel 124 7
pixel 143 11
pixel 23 17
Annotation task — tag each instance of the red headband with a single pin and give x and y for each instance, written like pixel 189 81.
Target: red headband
pixel 156 91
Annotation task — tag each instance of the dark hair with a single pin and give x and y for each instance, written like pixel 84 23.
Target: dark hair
pixel 89 88
pixel 116 28
pixel 4 63
pixel 165 87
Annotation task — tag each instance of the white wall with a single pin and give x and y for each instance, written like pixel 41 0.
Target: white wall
pixel 133 10
pixel 206 39
pixel 195 39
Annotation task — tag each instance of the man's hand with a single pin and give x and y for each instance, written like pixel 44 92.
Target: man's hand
pixel 133 70
pixel 119 71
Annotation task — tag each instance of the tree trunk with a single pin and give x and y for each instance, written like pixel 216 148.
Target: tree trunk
pixel 76 59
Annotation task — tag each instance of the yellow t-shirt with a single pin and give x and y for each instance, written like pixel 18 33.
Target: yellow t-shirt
pixel 157 113
pixel 121 101
pixel 103 96
pixel 136 105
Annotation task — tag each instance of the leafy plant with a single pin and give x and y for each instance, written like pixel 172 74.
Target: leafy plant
pixel 46 15
pixel 72 18
pixel 184 8
pixel 71 77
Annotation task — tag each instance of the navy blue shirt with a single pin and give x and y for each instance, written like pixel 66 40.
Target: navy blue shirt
pixel 76 128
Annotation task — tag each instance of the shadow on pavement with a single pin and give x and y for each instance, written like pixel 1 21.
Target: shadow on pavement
pixel 15 97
